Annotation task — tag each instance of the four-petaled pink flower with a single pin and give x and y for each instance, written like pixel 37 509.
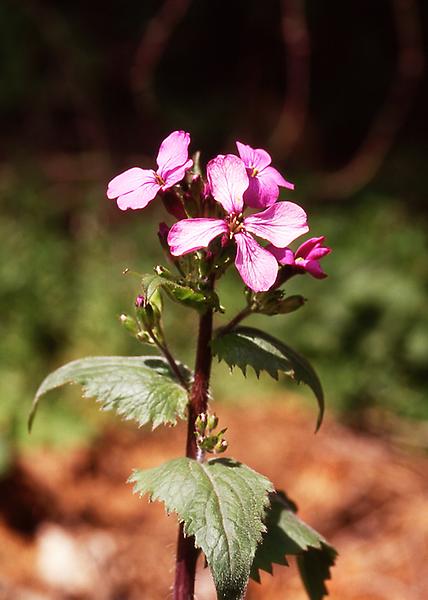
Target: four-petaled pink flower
pixel 136 187
pixel 306 257
pixel 264 180
pixel 280 224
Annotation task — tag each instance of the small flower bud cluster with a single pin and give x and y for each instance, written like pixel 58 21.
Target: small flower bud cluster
pixel 146 326
pixel 206 440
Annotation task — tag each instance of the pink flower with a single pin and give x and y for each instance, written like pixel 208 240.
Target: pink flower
pixel 136 187
pixel 280 224
pixel 306 257
pixel 264 180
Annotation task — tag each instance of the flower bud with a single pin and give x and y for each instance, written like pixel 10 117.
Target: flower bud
pixel 140 301
pixel 275 303
pixel 208 443
pixel 156 303
pixel 200 424
pixel 173 204
pixel 146 316
pixel 163 272
pixel 129 323
pixel 212 422
pixel 143 337
pixel 221 446
pixel 291 304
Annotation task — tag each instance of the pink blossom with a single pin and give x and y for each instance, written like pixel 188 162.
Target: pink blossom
pixel 136 187
pixel 306 257
pixel 280 224
pixel 264 180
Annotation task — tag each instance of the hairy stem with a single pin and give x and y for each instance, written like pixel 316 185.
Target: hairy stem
pixel 187 554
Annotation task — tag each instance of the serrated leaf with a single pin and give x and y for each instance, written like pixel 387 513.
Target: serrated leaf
pixel 139 388
pixel 314 568
pixel 222 503
pixel 247 346
pixel 183 294
pixel 288 535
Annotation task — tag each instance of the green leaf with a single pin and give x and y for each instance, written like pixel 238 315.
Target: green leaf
pixel 222 503
pixel 248 346
pixel 183 294
pixel 288 535
pixel 141 388
pixel 314 568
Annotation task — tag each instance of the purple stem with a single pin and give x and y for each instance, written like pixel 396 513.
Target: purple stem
pixel 187 554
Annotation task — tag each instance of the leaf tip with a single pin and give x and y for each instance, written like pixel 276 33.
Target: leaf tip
pixel 32 415
pixel 320 418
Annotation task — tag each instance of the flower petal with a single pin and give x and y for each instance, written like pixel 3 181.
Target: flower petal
pixel 191 234
pixel 257 267
pixel 312 249
pixel 173 152
pixel 318 253
pixel 314 268
pixel 280 224
pixel 228 180
pixel 128 181
pixel 261 193
pixel 276 176
pixel 253 158
pixel 140 197
pixel 175 175
pixel 284 256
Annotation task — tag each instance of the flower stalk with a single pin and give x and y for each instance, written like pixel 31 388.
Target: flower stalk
pixel 187 554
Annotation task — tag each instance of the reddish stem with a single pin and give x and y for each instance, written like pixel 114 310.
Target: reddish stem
pixel 187 554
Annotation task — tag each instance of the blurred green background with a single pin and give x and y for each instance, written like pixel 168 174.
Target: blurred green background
pixel 334 91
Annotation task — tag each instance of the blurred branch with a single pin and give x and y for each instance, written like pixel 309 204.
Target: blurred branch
pixel 392 115
pixel 152 47
pixel 297 48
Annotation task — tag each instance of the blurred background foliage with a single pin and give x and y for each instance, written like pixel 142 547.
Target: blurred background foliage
pixel 333 90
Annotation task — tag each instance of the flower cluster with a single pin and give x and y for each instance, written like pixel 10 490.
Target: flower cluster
pixel 236 184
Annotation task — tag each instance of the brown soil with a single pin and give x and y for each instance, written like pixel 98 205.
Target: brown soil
pixel 70 528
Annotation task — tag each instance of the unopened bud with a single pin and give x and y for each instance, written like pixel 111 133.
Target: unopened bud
pixel 192 200
pixel 200 424
pixel 207 444
pixel 140 301
pixel 212 422
pixel 221 446
pixel 163 272
pixel 274 303
pixel 149 311
pixel 129 323
pixel 143 336
pixel 174 205
pixel 291 304
pixel 145 315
